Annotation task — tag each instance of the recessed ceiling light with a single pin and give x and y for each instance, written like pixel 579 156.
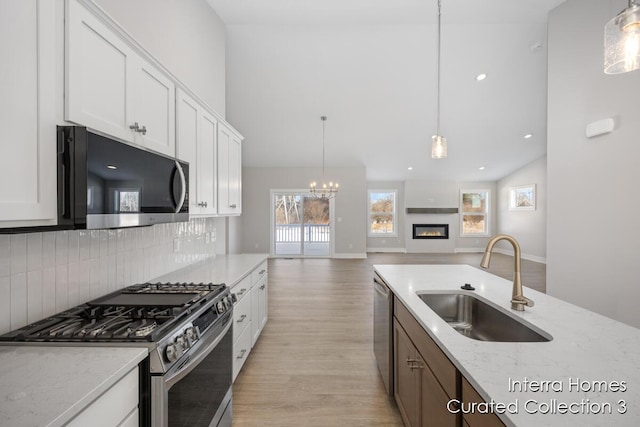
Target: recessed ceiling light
pixel 482 168
pixel 112 167
pixel 481 77
pixel 528 136
pixel 410 168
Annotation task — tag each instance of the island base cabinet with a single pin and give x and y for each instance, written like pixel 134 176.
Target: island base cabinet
pixel 475 419
pixel 406 382
pixel 420 398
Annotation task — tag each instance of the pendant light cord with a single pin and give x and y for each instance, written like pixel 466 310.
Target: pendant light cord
pixel 438 92
pixel 324 119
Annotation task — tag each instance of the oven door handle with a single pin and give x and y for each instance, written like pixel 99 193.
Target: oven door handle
pixel 171 380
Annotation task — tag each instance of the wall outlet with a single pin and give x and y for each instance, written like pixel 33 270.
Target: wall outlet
pixel 207 238
pixel 256 246
pixel 213 236
pixel 176 246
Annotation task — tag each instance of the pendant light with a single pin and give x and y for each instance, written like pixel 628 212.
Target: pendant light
pixel 438 142
pixel 325 191
pixel 622 41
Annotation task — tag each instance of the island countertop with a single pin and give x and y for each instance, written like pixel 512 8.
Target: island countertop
pixel 48 386
pixel 592 364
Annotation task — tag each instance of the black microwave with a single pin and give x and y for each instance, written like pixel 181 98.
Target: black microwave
pixel 104 183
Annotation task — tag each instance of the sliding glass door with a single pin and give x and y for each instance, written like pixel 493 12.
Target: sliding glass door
pixel 301 225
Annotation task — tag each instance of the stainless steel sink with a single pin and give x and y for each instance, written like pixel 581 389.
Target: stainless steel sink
pixel 479 320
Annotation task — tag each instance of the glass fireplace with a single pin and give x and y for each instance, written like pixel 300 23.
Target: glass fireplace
pixel 430 231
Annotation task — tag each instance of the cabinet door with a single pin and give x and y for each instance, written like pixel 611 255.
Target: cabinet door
pixel 406 380
pixel 207 165
pixel 433 400
pixel 229 172
pixel 98 69
pixel 153 100
pixel 187 130
pixel 258 309
pixel 27 113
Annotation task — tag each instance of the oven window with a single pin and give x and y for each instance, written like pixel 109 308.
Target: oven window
pixel 194 400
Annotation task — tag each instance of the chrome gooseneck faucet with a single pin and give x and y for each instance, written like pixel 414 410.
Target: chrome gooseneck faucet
pixel 518 300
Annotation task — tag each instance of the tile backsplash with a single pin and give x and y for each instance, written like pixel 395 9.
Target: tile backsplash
pixel 44 273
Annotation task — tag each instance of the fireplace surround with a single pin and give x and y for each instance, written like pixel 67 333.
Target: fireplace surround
pixel 430 231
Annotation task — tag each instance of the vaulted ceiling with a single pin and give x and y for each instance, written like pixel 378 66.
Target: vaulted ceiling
pixel 370 67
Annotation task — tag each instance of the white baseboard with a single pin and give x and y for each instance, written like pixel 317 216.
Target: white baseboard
pixel 468 250
pixel 350 256
pixel 509 252
pixel 395 250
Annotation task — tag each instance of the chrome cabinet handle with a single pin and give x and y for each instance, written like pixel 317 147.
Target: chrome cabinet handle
pixel 262 272
pixel 242 353
pixel 242 291
pixel 203 204
pixel 233 206
pixel 136 128
pixel 241 318
pixel 262 287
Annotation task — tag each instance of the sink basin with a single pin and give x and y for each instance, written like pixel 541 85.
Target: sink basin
pixel 474 318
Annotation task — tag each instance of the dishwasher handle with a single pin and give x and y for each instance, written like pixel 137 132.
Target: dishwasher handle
pixel 381 288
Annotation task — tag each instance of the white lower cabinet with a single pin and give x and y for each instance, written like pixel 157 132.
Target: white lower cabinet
pixel 241 349
pixel 249 314
pixel 118 406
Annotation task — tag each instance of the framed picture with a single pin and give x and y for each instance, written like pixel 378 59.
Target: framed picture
pixel 523 198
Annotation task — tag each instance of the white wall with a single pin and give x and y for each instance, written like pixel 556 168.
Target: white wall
pixel 44 273
pixel 444 194
pixel 528 227
pixel 350 205
pixel 593 203
pixel 186 36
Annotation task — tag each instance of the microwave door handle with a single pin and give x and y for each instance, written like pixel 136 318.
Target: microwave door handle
pixel 183 192
pixel 193 363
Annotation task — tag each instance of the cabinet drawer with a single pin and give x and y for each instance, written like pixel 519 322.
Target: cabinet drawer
pixel 440 365
pixel 477 419
pixel 259 272
pixel 242 288
pixel 241 349
pixel 241 315
pixel 114 406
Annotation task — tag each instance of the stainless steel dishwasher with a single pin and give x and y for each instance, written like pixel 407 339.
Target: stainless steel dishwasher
pixel 382 330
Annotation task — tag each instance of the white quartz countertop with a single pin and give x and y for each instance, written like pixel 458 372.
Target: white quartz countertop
pixel 48 386
pixel 592 365
pixel 229 269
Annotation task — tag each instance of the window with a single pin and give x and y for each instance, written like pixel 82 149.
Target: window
pixel 474 208
pixel 382 213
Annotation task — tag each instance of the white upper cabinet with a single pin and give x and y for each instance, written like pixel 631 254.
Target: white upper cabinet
pixel 112 88
pixel 196 144
pixel 229 171
pixel 27 113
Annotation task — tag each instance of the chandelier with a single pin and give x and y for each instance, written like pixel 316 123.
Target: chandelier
pixel 438 142
pixel 324 191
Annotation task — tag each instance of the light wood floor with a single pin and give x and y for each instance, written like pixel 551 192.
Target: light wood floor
pixel 313 365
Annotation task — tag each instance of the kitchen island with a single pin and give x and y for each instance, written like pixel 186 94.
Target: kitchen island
pixel 587 375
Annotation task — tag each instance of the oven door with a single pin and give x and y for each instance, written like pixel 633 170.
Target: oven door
pixel 197 392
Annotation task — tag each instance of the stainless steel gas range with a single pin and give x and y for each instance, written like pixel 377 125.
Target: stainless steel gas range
pixel 186 381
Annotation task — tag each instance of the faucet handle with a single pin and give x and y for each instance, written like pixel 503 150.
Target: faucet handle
pixel 519 303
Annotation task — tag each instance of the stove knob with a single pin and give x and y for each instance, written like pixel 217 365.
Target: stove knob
pixel 171 353
pixel 220 307
pixel 182 342
pixel 191 334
